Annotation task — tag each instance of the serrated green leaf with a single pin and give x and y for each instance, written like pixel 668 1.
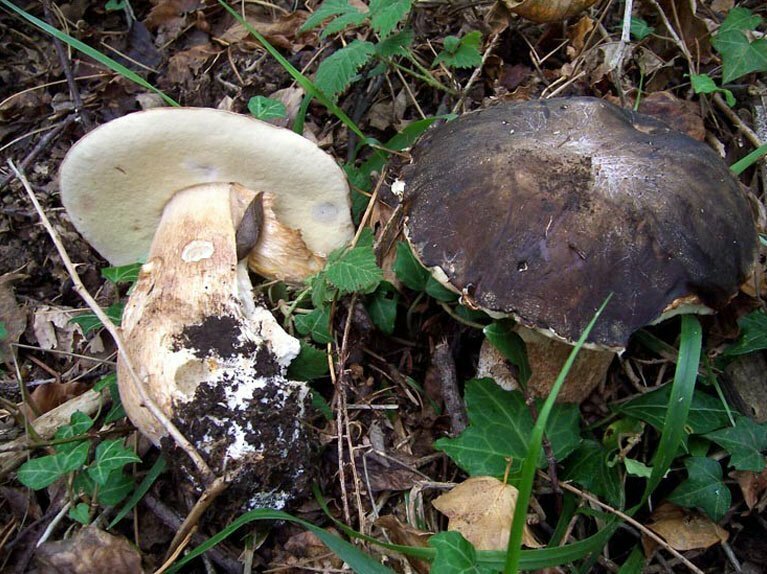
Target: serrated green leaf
pixel 588 466
pixel 327 9
pixel 80 513
pixel 322 292
pixel 355 271
pixel 499 429
pixel 336 72
pixel 740 56
pixel 45 470
pixel 703 84
pixel 745 442
pixel 640 29
pixel 455 555
pixel 706 412
pixel 311 363
pixel 110 455
pixel 753 335
pixel 383 307
pixel 408 269
pixel 316 324
pixel 396 44
pixel 386 14
pixel 263 108
pixel 703 488
pixel 344 21
pixel 461 53
pixel 122 273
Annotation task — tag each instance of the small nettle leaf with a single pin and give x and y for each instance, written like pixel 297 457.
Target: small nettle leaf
pixel 45 470
pixel 745 442
pixel 588 465
pixel 500 425
pixel 383 307
pixel 122 274
pixel 740 55
pixel 396 44
pixel 311 363
pixel 338 71
pixel 110 455
pixel 327 9
pixel 704 488
pixel 640 29
pixel 455 555
pixel 344 21
pixel 461 53
pixel 316 323
pixel 265 109
pixel 408 269
pixel 386 14
pixel 322 292
pixel 80 513
pixel 704 84
pixel 355 270
pixel 706 412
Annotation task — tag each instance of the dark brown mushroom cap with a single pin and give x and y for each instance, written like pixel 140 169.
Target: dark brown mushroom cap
pixel 542 209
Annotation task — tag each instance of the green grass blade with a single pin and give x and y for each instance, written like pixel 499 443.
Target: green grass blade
pixel 685 377
pixel 157 469
pixel 300 79
pixel 529 467
pixel 743 164
pixel 102 59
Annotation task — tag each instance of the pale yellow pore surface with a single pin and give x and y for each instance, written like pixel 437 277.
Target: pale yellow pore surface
pixel 116 180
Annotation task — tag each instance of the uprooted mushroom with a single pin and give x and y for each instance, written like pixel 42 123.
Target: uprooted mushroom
pixel 201 195
pixel 541 210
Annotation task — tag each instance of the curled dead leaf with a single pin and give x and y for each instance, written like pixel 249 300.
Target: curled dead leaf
pixel 47 397
pixel 481 509
pixel 406 535
pixel 90 551
pixel 683 529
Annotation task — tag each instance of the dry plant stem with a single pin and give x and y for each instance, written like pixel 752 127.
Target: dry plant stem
pixel 442 360
pixel 629 520
pixel 674 36
pixel 747 132
pixel 14 452
pixel 186 530
pixel 171 429
pixel 172 557
pixel 620 53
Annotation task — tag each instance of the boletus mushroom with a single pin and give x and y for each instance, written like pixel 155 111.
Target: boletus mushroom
pixel 547 10
pixel 200 195
pixel 541 210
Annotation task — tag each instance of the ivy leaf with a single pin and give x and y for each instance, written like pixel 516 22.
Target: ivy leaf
pixel 311 363
pixel 408 269
pixel 740 56
pixel 753 335
pixel 117 486
pixel 90 322
pixel 745 442
pixel 386 14
pixel 122 273
pixel 80 513
pixel 383 307
pixel 338 70
pixel 354 271
pixel 45 470
pixel 461 52
pixel 703 84
pixel 588 466
pixel 110 455
pixel 455 555
pixel 706 412
pixel 438 291
pixel 315 323
pixel 265 109
pixel 640 29
pixel 326 10
pixel 703 488
pixel 499 430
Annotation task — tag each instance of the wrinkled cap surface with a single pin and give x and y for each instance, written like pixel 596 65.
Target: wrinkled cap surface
pixel 542 209
pixel 117 179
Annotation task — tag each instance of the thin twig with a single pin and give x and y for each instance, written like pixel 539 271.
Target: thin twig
pixel 620 53
pixel 674 36
pixel 747 132
pixel 205 471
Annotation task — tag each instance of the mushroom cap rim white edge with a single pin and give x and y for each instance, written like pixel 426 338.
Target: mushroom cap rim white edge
pixel 116 180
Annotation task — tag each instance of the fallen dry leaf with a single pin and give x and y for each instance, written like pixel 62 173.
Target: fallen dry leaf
pixel 50 395
pixel 577 34
pixel 691 29
pixel 752 485
pixel 406 535
pixel 54 329
pixel 90 551
pixel 683 529
pixel 281 32
pixel 12 316
pixel 481 509
pixel 680 114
